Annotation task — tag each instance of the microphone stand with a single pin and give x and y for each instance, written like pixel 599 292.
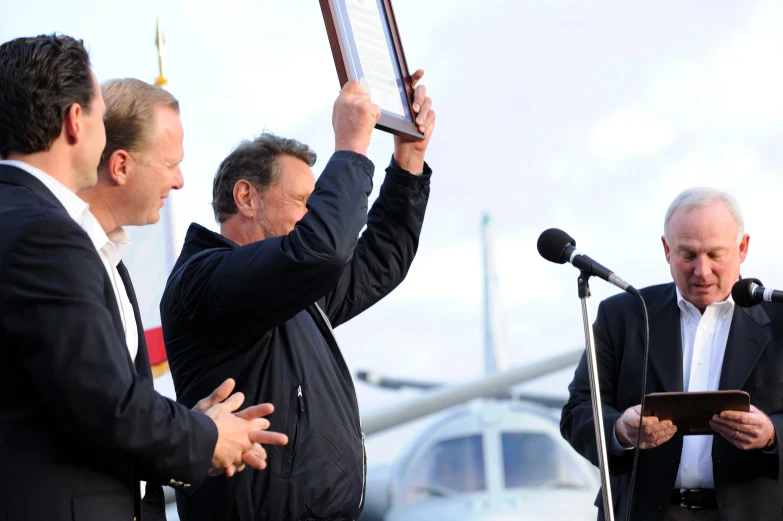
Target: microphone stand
pixel 595 395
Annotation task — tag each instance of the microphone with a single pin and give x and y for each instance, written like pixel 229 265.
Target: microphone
pixel 557 246
pixel 749 292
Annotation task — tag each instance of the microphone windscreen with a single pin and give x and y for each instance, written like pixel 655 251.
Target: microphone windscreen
pixel 742 293
pixel 552 244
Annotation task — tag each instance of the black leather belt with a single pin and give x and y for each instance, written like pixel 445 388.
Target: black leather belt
pixel 694 498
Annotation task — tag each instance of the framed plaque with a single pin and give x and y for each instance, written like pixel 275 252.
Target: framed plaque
pixel 366 47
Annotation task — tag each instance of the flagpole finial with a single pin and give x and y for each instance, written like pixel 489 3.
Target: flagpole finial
pixel 160 43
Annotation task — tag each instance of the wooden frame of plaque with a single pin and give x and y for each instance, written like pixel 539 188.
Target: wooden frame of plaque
pixel 396 112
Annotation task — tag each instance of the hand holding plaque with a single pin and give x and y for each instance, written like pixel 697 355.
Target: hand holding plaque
pixel 353 118
pixel 366 47
pixel 409 152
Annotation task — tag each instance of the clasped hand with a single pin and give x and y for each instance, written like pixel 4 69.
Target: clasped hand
pixel 240 434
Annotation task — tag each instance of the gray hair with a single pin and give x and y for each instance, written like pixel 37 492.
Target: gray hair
pixel 700 197
pixel 254 161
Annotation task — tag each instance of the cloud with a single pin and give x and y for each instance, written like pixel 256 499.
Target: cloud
pixel 738 85
pixel 733 91
pixel 630 132
pixel 453 273
pixel 209 11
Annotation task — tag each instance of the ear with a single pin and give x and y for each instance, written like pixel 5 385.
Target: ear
pixel 743 247
pixel 72 124
pixel 244 195
pixel 666 251
pixel 120 167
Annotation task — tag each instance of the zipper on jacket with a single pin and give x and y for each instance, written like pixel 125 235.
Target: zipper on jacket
pixel 358 414
pixel 300 410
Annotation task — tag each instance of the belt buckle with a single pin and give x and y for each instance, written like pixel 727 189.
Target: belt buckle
pixel 683 504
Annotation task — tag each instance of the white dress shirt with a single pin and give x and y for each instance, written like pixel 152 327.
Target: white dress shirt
pixel 111 247
pixel 704 338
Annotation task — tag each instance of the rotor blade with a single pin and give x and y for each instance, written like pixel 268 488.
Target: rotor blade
pixel 484 387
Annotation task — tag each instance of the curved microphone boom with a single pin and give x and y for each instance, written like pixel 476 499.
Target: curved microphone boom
pixel 749 292
pixel 557 246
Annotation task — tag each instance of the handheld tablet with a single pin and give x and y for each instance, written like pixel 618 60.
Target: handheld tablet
pixel 691 412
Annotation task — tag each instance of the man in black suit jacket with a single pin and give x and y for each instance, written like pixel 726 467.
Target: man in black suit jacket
pixel 79 427
pixel 699 341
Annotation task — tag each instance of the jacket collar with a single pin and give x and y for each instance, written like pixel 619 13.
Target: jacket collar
pixel 142 362
pixel 748 336
pixel 197 239
pixel 67 199
pixel 12 175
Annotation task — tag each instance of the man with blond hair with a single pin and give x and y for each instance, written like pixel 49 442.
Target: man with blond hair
pixel 699 341
pixel 139 166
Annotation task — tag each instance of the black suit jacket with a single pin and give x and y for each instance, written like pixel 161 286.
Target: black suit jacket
pixel 79 426
pixel 154 502
pixel 747 483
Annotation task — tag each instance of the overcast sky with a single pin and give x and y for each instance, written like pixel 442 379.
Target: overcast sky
pixel 586 116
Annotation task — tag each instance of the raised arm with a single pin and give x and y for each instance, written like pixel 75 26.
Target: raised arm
pixel 386 248
pixel 283 275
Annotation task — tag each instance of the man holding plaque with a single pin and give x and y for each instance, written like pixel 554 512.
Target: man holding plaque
pixel 257 302
pixel 699 341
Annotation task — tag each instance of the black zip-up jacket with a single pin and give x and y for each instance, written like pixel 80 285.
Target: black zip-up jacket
pixel 262 314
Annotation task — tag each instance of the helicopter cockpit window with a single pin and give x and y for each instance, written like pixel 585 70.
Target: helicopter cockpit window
pixel 452 466
pixel 532 459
